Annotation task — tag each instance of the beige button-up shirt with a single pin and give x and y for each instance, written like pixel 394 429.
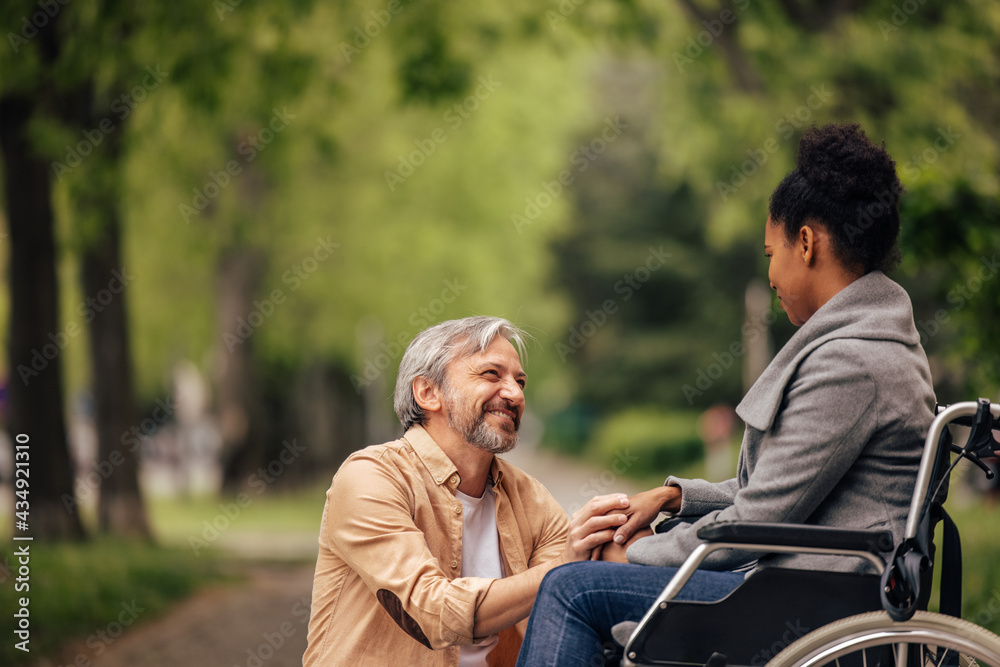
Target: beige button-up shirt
pixel 388 588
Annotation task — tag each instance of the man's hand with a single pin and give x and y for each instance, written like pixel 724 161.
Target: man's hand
pixel 594 524
pixel 643 508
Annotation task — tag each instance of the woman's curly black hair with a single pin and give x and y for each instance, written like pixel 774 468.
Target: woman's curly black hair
pixel 849 185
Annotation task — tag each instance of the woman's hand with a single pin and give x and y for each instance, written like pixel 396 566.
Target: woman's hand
pixel 644 507
pixel 615 553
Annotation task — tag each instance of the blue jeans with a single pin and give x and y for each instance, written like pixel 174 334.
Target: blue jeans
pixel 578 603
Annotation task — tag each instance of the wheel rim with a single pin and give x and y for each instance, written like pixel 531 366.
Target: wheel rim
pixel 862 640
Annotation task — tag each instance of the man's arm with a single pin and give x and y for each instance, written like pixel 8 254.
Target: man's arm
pixel 510 599
pixel 369 520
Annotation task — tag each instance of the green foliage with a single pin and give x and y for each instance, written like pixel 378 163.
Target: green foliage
pixel 656 441
pixel 76 590
pixel 977 523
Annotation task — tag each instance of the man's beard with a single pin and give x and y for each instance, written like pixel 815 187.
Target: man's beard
pixel 474 428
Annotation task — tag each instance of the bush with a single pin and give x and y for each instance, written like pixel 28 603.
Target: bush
pixel 643 442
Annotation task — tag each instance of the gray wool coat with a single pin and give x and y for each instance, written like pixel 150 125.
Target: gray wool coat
pixel 834 432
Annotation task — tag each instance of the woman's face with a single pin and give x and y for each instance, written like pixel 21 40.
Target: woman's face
pixel 788 272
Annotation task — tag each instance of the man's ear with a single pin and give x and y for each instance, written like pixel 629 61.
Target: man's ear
pixel 427 394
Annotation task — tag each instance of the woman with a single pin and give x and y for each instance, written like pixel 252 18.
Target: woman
pixel 834 425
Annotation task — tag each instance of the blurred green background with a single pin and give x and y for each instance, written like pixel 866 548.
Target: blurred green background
pixel 223 222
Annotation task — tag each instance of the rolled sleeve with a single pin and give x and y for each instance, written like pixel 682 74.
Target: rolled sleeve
pixel 370 523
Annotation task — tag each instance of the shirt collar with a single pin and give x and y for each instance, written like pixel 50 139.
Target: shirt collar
pixel 436 461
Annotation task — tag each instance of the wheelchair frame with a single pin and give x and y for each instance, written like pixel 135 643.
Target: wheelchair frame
pixel 796 538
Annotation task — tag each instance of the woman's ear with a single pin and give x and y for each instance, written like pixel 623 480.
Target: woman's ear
pixel 427 394
pixel 807 244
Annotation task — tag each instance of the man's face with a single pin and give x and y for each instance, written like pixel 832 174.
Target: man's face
pixel 484 397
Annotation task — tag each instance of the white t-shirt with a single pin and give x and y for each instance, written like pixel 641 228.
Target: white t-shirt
pixel 480 558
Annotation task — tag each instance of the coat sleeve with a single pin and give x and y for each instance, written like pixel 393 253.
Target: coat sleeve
pixel 368 520
pixel 828 414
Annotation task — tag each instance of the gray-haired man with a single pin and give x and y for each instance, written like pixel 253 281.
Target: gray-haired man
pixel 431 547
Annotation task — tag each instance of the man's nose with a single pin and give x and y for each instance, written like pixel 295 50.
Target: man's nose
pixel 511 390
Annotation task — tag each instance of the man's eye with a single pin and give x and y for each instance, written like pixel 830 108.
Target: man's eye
pixel 521 383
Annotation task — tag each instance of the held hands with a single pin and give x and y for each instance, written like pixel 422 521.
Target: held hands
pixel 644 507
pixel 594 524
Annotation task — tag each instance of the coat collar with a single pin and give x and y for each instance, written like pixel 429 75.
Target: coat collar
pixel 873 307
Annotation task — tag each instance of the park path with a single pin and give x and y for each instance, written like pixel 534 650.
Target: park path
pixel 262 621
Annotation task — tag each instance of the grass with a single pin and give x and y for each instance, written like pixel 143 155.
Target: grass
pixel 190 522
pixel 78 590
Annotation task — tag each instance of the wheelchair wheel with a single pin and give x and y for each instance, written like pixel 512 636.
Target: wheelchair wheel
pixel 874 639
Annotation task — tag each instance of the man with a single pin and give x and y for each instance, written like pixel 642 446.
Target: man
pixel 431 547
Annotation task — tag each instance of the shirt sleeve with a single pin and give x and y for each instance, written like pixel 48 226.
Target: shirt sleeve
pixel 699 497
pixel 828 415
pixel 368 519
pixel 553 527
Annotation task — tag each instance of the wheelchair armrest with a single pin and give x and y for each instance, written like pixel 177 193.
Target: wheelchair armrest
pixel 797 535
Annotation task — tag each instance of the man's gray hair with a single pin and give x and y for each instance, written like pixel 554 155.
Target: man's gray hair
pixel 433 349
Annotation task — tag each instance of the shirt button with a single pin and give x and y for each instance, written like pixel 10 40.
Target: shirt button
pixel 453 480
pixel 439 480
pixel 454 564
pixel 458 509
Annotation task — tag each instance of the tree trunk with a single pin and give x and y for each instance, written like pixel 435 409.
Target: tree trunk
pixel 239 403
pixel 105 281
pixel 36 342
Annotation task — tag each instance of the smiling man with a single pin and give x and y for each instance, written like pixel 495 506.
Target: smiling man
pixel 431 547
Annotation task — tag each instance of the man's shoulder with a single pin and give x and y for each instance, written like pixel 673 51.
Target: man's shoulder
pixel 392 454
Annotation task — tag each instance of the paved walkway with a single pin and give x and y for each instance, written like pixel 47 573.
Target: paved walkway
pixel 262 622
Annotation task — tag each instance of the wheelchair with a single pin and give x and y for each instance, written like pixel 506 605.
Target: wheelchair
pixel 791 618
